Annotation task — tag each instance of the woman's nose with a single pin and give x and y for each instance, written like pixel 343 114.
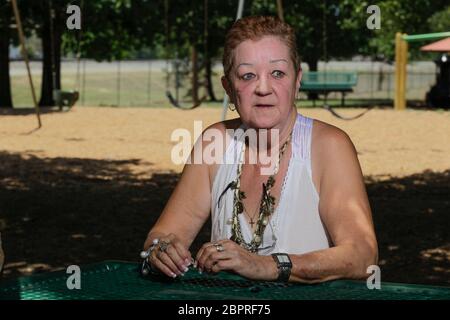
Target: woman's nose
pixel 263 86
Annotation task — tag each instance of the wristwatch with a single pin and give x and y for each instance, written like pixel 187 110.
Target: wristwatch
pixel 284 265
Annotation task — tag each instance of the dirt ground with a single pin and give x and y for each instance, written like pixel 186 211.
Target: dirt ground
pixel 88 185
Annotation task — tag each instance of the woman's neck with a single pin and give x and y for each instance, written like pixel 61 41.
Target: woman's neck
pixel 279 134
pixel 273 140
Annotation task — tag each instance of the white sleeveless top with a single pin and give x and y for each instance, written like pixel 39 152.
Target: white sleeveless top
pixel 295 227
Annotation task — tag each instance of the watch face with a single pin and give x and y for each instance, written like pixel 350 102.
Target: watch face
pixel 284 266
pixel 283 259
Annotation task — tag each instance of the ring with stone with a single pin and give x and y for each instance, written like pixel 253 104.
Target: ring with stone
pixel 219 247
pixel 163 245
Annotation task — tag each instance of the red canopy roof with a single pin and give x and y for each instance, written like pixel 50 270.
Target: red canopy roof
pixel 440 46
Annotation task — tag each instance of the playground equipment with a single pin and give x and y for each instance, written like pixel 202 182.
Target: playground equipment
pixel 401 58
pixel 175 101
pixel 325 82
pixel 27 61
pixel 439 94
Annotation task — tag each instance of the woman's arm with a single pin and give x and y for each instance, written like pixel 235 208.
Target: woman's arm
pixel 345 211
pixel 184 214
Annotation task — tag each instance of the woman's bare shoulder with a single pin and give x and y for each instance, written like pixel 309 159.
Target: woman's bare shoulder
pixel 330 147
pixel 326 136
pixel 222 127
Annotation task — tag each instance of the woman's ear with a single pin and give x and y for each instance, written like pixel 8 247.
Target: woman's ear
pixel 227 87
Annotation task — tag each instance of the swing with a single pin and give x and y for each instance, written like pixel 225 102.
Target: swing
pixel 325 57
pixel 174 102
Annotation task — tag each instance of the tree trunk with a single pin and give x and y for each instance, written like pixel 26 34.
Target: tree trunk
pixel 312 64
pixel 5 84
pixel 194 76
pixel 208 75
pixel 48 83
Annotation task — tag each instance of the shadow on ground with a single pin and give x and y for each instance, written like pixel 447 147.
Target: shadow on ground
pixel 63 211
pixel 27 111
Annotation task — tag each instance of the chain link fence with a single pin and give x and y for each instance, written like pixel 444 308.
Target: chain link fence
pixel 144 83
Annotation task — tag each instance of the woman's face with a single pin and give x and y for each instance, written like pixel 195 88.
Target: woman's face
pixel 263 82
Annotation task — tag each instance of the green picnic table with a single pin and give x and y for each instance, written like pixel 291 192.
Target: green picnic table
pixel 114 280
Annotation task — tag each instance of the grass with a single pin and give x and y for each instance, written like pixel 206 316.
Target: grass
pixel 146 89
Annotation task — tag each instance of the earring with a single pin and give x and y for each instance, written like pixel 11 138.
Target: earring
pixel 231 106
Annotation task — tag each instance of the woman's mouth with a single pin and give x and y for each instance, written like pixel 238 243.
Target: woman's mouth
pixel 261 105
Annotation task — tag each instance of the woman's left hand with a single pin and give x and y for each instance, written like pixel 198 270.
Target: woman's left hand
pixel 228 255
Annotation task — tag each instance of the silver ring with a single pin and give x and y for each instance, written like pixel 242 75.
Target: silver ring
pixel 163 245
pixel 219 247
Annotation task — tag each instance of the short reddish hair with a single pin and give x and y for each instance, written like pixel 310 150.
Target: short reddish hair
pixel 254 28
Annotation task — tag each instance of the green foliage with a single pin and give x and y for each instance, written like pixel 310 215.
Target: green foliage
pixel 440 21
pixel 324 29
pixel 109 31
pixel 118 29
pixel 411 17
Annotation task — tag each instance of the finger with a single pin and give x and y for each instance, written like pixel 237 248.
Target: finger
pixel 203 253
pixel 172 254
pixel 218 253
pixel 181 248
pixel 222 265
pixel 214 258
pixel 176 250
pixel 200 255
pixel 184 254
pixel 167 261
pixel 202 249
pixel 207 252
pixel 162 267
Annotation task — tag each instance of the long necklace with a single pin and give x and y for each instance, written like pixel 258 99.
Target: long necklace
pixel 252 222
pixel 266 207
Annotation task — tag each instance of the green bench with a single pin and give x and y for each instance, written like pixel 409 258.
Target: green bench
pixel 326 82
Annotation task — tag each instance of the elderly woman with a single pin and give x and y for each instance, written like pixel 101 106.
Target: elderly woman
pixel 307 220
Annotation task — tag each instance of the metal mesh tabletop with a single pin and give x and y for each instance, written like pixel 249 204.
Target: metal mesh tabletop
pixel 120 280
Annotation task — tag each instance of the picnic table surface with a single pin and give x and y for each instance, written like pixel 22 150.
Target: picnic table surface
pixel 116 280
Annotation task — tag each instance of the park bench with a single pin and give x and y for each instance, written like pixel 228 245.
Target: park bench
pixel 325 82
pixel 65 98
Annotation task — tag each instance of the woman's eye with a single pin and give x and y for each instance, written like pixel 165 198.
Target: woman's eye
pixel 278 74
pixel 247 76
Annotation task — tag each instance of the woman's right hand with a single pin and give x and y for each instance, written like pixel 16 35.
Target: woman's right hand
pixel 170 256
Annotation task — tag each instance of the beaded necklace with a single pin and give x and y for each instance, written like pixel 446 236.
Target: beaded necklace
pixel 266 207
